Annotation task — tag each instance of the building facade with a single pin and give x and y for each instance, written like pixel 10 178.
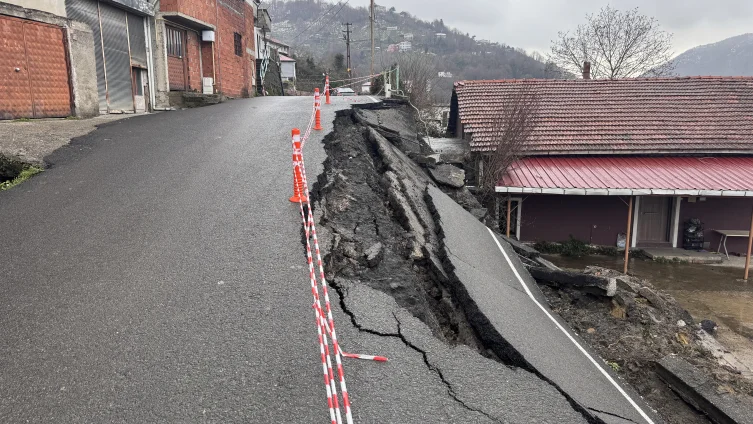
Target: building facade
pixel 46 62
pixel 666 152
pixel 205 47
pixel 122 44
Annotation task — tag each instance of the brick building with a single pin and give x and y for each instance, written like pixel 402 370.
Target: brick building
pixel 205 46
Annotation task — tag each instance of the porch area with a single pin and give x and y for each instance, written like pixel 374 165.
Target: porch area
pixel 673 254
pixel 676 208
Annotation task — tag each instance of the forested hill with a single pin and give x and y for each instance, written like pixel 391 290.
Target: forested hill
pixel 316 28
pixel 730 57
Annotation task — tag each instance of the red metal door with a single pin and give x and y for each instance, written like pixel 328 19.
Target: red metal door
pixel 34 79
pixel 15 92
pixel 48 70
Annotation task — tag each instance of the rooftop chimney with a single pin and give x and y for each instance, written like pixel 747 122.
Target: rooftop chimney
pixel 586 70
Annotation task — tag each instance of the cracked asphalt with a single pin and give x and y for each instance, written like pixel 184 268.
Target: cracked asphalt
pixel 155 273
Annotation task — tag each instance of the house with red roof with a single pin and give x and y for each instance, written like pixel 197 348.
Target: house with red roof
pixel 660 150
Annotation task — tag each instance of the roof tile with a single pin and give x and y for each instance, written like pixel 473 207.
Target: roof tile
pixel 687 114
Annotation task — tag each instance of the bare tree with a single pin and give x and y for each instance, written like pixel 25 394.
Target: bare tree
pixel 617 44
pixel 511 129
pixel 418 74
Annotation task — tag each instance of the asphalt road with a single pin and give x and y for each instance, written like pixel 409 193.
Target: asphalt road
pixel 508 301
pixel 156 274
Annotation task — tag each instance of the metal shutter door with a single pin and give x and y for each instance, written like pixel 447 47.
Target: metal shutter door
pixel 117 58
pixel 86 12
pixel 15 93
pixel 137 38
pixel 48 70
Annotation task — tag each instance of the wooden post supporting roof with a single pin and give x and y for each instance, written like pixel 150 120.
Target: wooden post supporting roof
pixel 627 236
pixel 750 245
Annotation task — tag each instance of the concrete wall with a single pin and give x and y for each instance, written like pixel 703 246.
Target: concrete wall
pixel 139 6
pixel 593 219
pixel 719 213
pixel 161 88
pixel 55 7
pixel 83 75
pixel 83 70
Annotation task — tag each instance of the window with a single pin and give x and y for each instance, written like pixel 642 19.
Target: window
pixel 238 44
pixel 174 42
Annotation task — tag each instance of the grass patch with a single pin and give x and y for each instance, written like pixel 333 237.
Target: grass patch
pixel 575 248
pixel 572 248
pixel 670 261
pixel 25 174
pixel 22 120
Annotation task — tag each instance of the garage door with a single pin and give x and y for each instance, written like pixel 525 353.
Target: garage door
pixel 34 80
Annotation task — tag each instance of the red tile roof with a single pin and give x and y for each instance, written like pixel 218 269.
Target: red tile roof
pixel 616 175
pixel 284 58
pixel 640 115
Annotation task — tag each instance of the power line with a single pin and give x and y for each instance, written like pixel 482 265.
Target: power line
pixel 316 20
pixel 324 23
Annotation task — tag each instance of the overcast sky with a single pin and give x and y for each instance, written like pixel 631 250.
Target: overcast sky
pixel 532 24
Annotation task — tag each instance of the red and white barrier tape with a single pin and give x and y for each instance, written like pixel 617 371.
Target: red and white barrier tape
pixel 325 325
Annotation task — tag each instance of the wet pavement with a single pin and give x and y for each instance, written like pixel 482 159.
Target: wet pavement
pixel 707 292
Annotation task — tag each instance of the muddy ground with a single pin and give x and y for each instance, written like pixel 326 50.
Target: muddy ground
pixel 375 243
pixel 631 332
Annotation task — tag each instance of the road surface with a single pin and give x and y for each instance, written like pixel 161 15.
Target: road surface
pixel 156 274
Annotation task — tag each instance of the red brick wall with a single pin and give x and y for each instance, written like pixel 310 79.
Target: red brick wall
pixel 234 74
pixel 231 20
pixel 203 10
pixel 206 58
pixel 193 55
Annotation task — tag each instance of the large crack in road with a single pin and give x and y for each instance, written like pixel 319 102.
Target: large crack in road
pixel 370 197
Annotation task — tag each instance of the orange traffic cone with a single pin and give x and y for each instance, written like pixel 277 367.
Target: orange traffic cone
pixel 318 109
pixel 326 89
pixel 299 194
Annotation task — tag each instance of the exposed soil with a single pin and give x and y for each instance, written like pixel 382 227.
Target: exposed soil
pixel 630 335
pixel 356 209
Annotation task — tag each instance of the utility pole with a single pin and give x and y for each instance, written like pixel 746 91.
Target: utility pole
pixel 372 38
pixel 347 44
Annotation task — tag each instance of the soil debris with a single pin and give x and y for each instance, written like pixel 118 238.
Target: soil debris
pixel 639 326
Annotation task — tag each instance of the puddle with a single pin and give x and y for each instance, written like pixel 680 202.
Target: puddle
pixel 707 292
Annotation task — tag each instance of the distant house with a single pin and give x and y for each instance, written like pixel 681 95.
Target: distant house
pixel 278 45
pixel 404 46
pixel 366 88
pixel 680 148
pixel 287 68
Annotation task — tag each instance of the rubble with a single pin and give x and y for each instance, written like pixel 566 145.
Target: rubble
pixel 374 255
pixel 719 402
pixel 448 175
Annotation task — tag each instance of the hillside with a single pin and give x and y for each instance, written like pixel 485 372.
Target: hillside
pixel 316 28
pixel 730 57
